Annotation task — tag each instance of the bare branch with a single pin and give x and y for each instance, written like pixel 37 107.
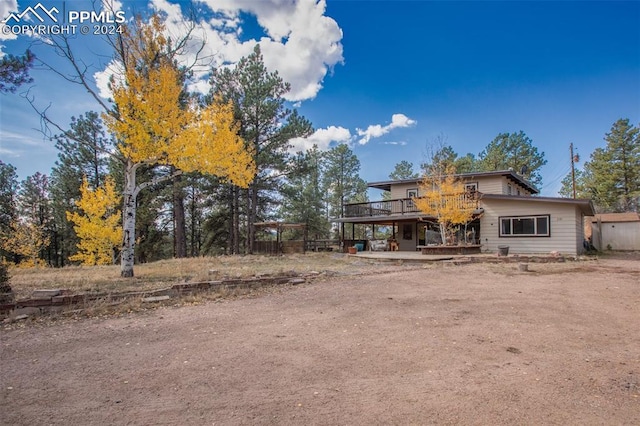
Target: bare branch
pixel 62 48
pixel 46 123
pixel 155 181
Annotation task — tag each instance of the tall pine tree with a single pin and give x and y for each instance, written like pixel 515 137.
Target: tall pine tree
pixel 304 195
pixel 612 176
pixel 514 151
pixel 266 126
pixel 83 154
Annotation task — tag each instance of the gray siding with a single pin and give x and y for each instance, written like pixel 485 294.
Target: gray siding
pixel 400 191
pixel 486 185
pixel 565 225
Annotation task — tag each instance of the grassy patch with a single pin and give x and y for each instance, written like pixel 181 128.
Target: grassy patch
pixel 164 273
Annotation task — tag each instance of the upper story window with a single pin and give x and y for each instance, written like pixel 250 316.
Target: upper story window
pixel 509 189
pixel 471 188
pixel 525 226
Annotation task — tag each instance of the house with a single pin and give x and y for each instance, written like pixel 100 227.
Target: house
pixel 614 231
pixel 508 213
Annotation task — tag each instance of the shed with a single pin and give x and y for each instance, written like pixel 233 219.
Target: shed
pixel 614 231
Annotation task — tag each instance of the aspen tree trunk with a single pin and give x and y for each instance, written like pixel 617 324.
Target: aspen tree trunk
pixel 130 194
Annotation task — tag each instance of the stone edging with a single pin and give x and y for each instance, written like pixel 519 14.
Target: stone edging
pixel 42 301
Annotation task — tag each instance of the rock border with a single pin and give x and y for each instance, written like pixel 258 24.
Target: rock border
pixel 44 301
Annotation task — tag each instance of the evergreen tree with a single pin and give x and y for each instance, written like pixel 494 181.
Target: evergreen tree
pixel 266 125
pixel 513 151
pixel 8 190
pixel 440 154
pixel 342 180
pixel 566 189
pixel 612 176
pixel 466 164
pixel 82 154
pixel 14 71
pixel 9 186
pixel 33 199
pixel 303 195
pixel 195 205
pixel 403 170
pixel 30 233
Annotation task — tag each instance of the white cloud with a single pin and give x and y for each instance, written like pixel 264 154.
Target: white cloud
pixel 6 7
pixel 377 130
pixel 301 43
pixel 399 143
pixel 114 69
pixel 322 138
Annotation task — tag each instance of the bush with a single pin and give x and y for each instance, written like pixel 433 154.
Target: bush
pixel 6 293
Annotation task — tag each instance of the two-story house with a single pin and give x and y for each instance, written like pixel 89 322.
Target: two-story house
pixel 509 212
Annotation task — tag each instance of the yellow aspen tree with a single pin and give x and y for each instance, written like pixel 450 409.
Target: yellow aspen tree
pixel 445 198
pixel 154 125
pixel 26 239
pixel 98 225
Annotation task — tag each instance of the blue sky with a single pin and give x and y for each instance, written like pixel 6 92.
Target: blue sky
pixel 389 77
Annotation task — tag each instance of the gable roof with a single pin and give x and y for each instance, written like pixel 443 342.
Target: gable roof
pixel 509 174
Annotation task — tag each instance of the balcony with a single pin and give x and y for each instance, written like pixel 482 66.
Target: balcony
pixel 381 208
pixel 403 206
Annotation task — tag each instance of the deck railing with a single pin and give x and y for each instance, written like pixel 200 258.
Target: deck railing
pixel 380 208
pixel 390 207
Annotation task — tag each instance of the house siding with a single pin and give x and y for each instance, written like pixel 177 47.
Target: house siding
pixel 565 223
pixel 580 237
pixel 486 185
pixel 492 185
pixel 400 191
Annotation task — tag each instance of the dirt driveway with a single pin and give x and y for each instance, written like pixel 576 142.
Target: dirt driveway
pixel 474 344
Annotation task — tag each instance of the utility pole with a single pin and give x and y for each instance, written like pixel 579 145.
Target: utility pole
pixel 574 159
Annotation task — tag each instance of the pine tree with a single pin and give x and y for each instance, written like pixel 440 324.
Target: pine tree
pixel 342 180
pixel 82 153
pixel 303 195
pixel 266 125
pixel 8 190
pixel 14 71
pixel 403 170
pixel 566 189
pixel 513 151
pixel 28 235
pixel 612 176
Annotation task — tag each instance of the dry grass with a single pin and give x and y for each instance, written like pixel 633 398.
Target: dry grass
pixel 157 275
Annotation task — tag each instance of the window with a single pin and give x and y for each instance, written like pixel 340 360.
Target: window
pixel 509 189
pixel 411 193
pixel 525 226
pixel 471 188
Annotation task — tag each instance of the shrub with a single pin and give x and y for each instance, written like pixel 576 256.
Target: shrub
pixel 6 293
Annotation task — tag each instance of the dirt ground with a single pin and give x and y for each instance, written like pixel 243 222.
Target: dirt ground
pixel 440 344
